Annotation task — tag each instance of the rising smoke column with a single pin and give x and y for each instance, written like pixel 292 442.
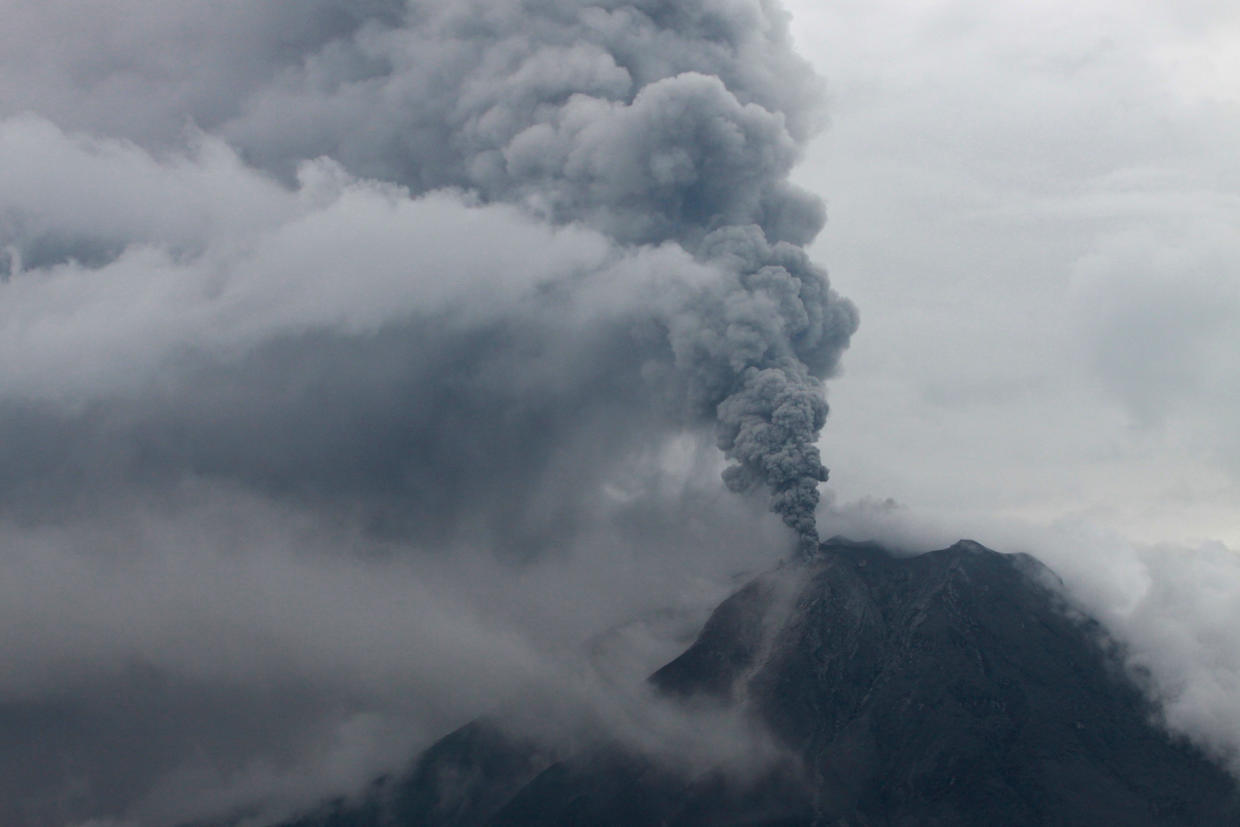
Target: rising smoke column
pixel 656 123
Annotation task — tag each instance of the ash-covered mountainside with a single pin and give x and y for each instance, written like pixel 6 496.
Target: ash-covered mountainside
pixel 950 688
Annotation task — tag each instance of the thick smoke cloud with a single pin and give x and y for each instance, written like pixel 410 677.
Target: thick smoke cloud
pixel 337 338
pixel 649 125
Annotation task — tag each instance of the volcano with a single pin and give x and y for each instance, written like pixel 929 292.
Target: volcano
pixel 956 687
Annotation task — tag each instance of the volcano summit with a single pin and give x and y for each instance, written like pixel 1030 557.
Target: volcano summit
pixel 951 688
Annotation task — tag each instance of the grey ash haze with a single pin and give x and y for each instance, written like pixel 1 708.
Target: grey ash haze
pixel 363 362
pixel 349 351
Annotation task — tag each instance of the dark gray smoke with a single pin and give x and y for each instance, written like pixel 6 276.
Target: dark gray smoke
pixel 649 122
pixel 337 336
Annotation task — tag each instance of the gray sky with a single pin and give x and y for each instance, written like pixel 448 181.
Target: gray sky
pixel 1035 207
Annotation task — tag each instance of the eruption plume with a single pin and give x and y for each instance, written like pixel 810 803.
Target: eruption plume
pixel 653 123
pixel 662 131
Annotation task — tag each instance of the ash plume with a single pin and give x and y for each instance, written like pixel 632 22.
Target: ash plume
pixel 448 304
pixel 652 124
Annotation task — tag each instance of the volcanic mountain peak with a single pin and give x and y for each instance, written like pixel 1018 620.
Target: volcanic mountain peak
pixel 955 687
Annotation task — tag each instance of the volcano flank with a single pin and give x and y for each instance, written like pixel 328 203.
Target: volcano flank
pixel 955 687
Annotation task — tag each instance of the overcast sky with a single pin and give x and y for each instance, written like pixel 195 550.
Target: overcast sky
pixel 1035 207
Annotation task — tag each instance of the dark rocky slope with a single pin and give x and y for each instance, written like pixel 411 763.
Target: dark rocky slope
pixel 951 688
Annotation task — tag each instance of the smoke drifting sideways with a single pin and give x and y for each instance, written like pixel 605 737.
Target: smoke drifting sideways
pixel 360 352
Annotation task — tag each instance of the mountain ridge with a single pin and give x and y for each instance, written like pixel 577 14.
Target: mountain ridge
pixel 952 687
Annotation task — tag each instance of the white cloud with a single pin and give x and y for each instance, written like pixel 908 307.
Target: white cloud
pixel 205 254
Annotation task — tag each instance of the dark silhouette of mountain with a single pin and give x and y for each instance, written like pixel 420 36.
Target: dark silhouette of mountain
pixel 950 688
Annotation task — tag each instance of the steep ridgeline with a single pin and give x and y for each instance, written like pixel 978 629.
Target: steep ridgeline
pixel 951 688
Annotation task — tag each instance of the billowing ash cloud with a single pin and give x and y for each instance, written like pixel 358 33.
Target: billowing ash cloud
pixel 652 124
pixel 446 293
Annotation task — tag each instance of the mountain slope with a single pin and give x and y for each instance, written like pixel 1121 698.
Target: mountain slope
pixel 950 688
